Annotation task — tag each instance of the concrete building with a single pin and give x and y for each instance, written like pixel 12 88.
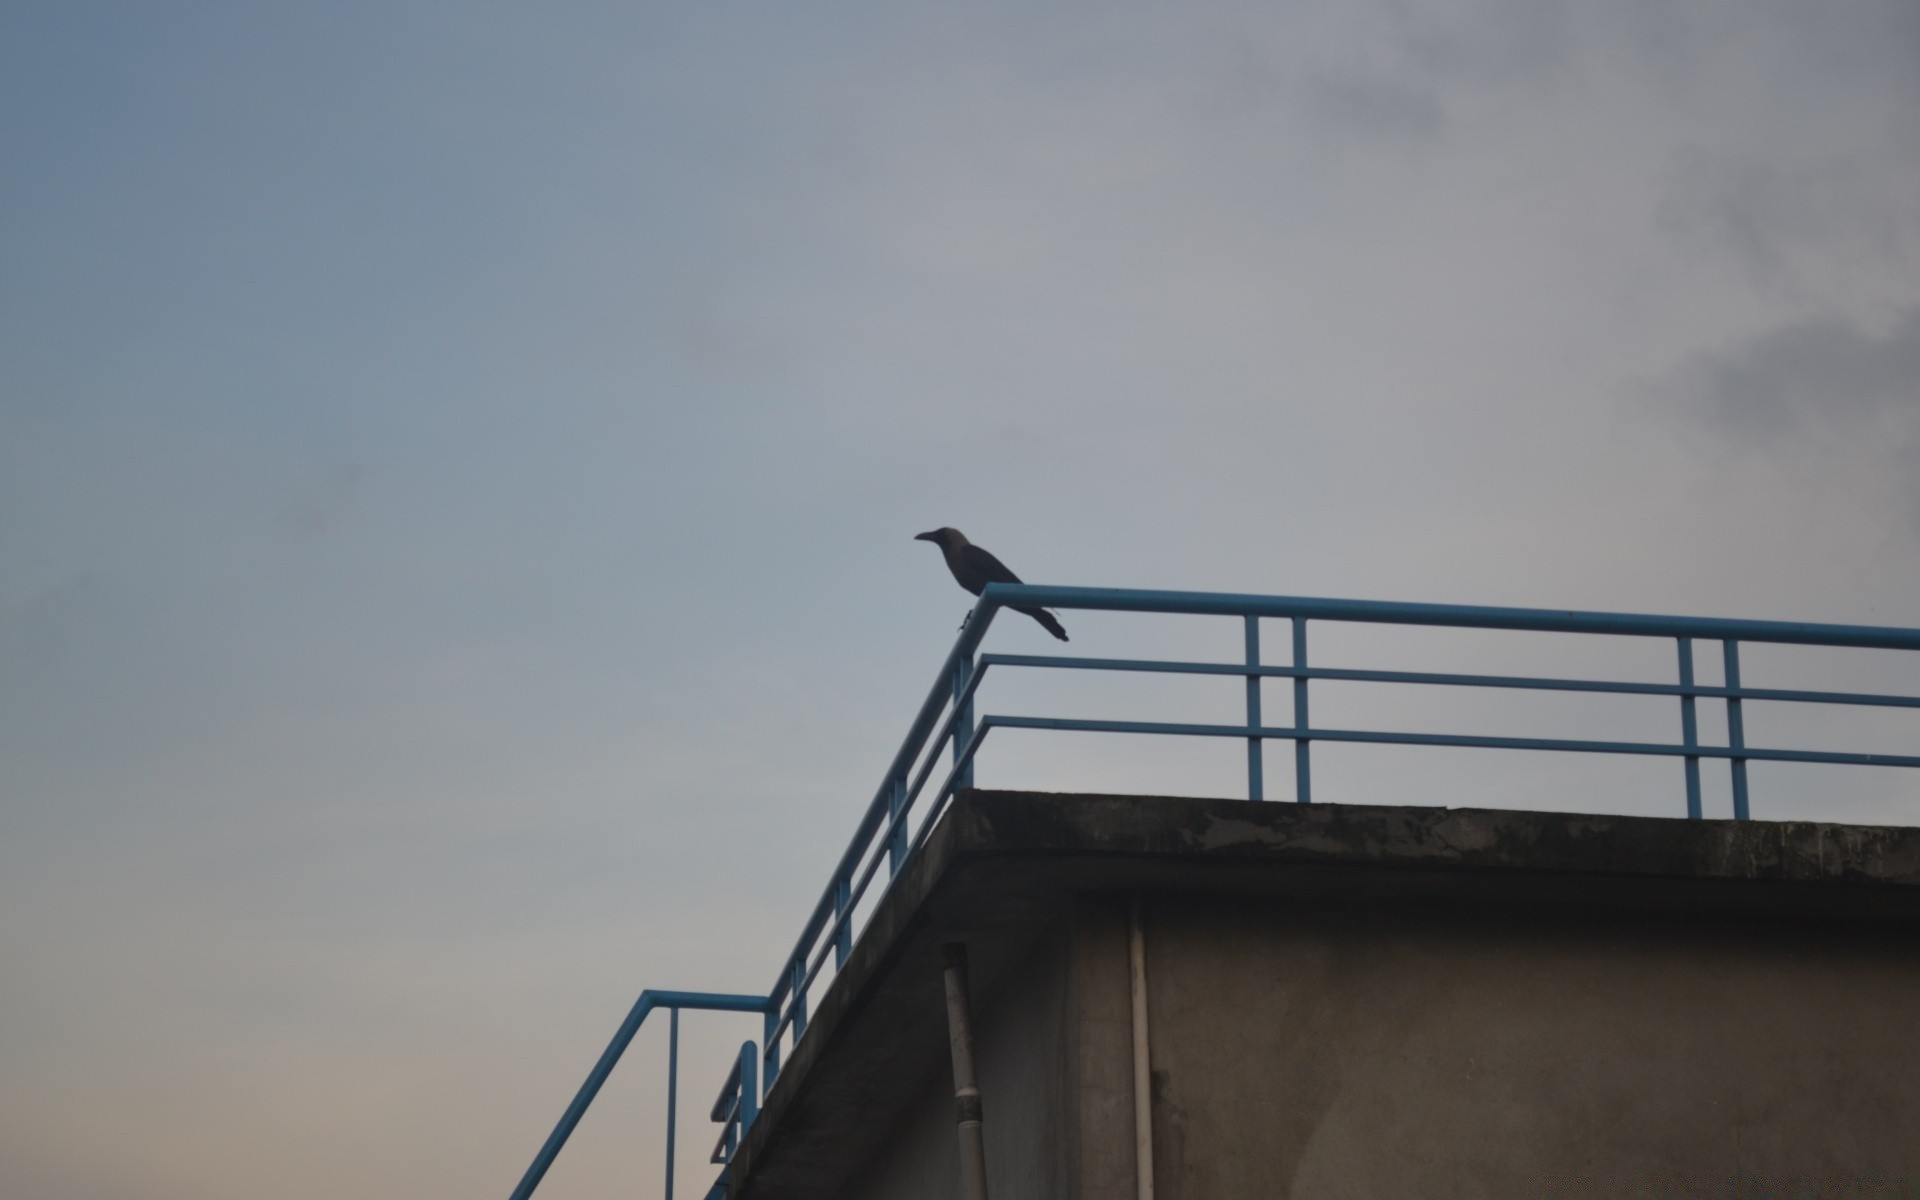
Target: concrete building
pixel 1359 1001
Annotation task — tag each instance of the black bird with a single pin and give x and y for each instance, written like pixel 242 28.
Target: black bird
pixel 973 568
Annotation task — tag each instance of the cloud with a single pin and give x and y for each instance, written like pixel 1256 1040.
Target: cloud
pixel 1782 222
pixel 1822 373
pixel 1822 413
pixel 1373 105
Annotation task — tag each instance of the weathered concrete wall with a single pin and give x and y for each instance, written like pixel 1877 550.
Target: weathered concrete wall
pixel 1380 1050
pixel 1021 1057
pixel 1376 1002
pixel 1465 1051
pixel 1099 1024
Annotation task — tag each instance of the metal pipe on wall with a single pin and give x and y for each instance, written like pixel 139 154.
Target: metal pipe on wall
pixel 966 1087
pixel 1142 1063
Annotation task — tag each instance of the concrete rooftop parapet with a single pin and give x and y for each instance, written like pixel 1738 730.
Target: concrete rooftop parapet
pixel 1007 871
pixel 1467 838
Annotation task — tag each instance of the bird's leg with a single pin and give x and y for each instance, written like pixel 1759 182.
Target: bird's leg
pixel 964 620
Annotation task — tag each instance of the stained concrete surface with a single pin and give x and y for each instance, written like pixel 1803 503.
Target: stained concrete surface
pixel 1357 1001
pixel 1379 1050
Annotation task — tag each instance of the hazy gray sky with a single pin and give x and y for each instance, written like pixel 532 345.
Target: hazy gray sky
pixel 458 465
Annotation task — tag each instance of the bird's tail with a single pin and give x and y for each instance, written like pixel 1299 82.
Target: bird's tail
pixel 1047 621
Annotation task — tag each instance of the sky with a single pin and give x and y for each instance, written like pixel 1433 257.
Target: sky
pixel 459 462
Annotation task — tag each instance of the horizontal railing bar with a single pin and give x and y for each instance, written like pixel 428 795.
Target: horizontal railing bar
pixel 1793 696
pixel 1346 675
pixel 710 1001
pixel 1467 616
pixel 1450 739
pixel 1163 666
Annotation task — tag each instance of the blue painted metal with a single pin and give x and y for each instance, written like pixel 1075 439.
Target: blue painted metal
pixel 1381 737
pixel 726 1111
pixel 1736 729
pixel 770 1054
pixel 1464 616
pixel 648 1001
pixel 944 793
pixel 1622 687
pixel 1256 789
pixel 896 792
pixel 749 1090
pixel 895 824
pixel 962 718
pixel 893 833
pixel 877 813
pixel 801 977
pixel 673 1088
pixel 1302 768
pixel 957 730
pixel 843 929
pixel 946 721
pixel 1689 728
pixel 737 1105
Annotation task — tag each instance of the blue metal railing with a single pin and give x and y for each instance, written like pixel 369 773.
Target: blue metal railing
pixel 738 1116
pixel 738 1104
pixel 887 834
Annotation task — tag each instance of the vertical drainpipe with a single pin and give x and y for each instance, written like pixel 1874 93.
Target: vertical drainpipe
pixel 966 1087
pixel 1142 1064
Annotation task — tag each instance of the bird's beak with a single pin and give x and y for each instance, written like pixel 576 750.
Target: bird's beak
pixel 929 536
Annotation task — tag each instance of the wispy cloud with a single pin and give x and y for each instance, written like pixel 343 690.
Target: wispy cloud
pixel 1824 375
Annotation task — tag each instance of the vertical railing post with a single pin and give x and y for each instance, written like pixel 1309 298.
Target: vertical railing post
pixel 1256 757
pixel 1302 777
pixel 673 1087
pixel 749 1089
pixel 1689 729
pixel 897 840
pixel 962 722
pixel 842 941
pixel 798 974
pixel 771 1054
pixel 1736 730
